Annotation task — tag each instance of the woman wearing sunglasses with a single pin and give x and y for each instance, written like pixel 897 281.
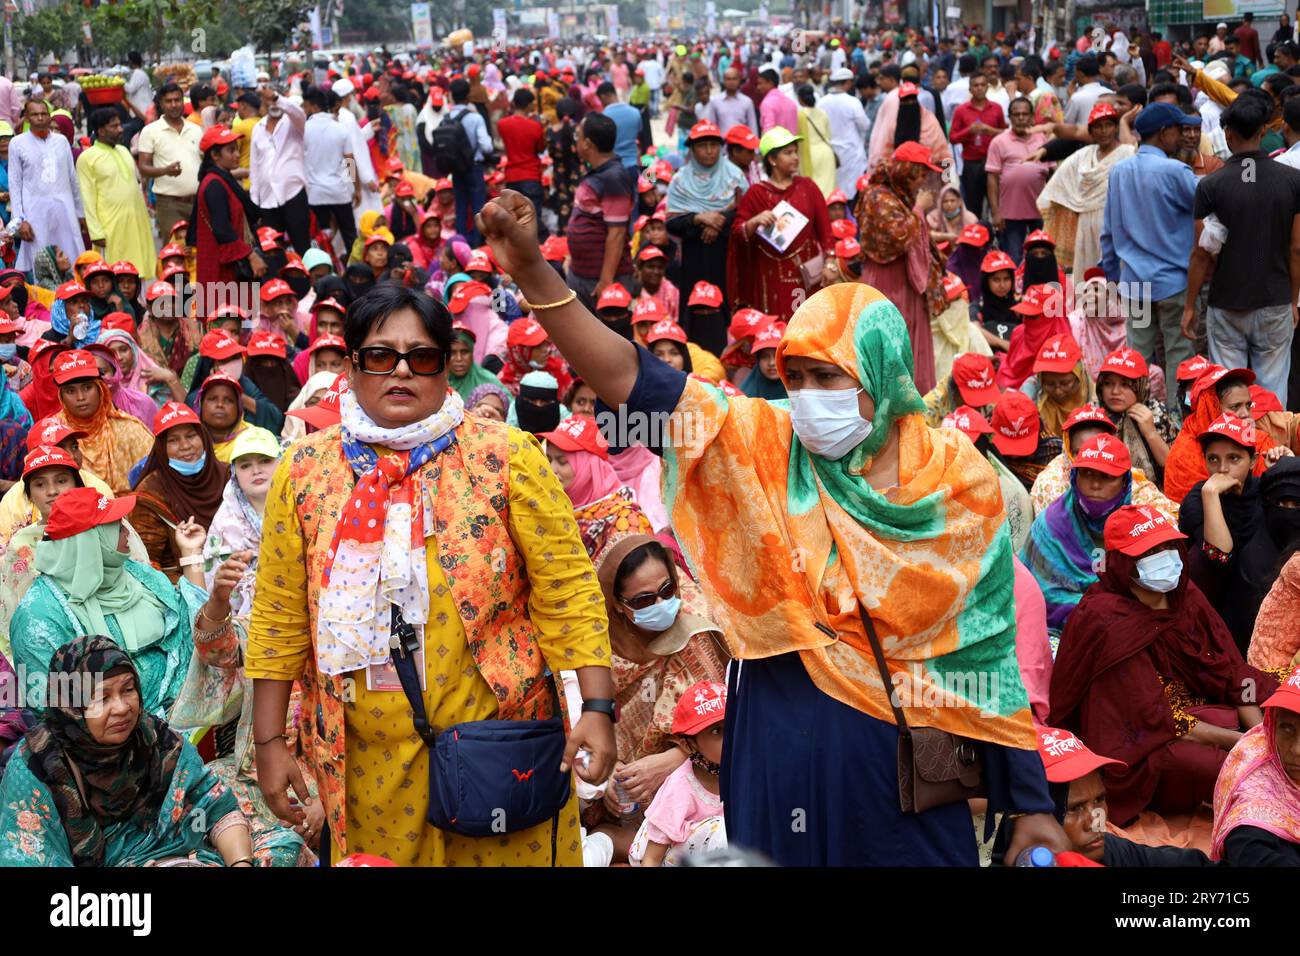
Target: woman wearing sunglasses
pixel 495 584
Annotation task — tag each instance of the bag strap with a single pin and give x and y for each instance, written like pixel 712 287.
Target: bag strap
pixel 899 718
pixel 403 644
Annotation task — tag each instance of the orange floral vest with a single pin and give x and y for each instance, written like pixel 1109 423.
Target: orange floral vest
pixel 469 486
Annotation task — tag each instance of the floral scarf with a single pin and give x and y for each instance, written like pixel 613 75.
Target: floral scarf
pixel 890 228
pixel 1253 789
pixel 383 526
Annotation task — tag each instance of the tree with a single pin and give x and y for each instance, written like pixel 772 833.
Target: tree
pixel 273 23
pixel 50 31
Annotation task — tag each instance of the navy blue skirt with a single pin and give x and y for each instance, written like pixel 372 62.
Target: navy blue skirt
pixel 809 781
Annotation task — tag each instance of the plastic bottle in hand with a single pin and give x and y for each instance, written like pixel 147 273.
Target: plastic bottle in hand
pixel 1036 856
pixel 630 806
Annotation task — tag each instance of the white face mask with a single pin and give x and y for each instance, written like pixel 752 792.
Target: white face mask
pixel 275 112
pixel 1160 572
pixel 827 421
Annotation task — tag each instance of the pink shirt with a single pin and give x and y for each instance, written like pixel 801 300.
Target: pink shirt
pixel 619 72
pixel 1020 182
pixel 778 110
pixel 681 803
pixel 668 298
pixel 1033 650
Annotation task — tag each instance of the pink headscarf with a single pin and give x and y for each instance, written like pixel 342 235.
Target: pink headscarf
pixel 128 399
pixel 593 478
pixel 135 380
pixel 487 327
pixel 638 468
pixel 1254 790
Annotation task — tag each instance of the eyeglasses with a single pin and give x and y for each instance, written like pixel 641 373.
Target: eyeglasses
pixel 640 601
pixel 380 360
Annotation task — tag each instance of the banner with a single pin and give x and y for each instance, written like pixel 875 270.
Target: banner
pixel 553 24
pixel 711 17
pixel 611 21
pixel 499 28
pixel 1233 9
pixel 421 26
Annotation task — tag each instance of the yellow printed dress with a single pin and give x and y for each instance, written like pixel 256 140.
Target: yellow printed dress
pixel 384 779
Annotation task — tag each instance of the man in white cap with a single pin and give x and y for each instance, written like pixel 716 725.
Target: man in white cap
pixel 1219 42
pixel 849 129
pixel 360 136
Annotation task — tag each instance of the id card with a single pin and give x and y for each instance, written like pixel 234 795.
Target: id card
pixel 383 677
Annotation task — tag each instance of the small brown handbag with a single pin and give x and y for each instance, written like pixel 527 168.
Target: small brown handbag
pixel 935 767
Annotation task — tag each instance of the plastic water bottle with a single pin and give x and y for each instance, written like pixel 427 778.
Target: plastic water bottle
pixel 1036 856
pixel 630 806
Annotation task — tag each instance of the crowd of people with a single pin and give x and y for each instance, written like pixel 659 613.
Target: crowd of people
pixel 687 447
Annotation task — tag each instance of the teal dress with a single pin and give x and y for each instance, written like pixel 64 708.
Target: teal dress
pixel 32 834
pixel 44 622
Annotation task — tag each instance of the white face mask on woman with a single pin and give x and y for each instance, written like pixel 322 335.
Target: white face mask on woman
pixel 827 421
pixel 1160 571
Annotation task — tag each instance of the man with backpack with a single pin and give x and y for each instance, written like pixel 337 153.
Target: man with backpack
pixel 461 145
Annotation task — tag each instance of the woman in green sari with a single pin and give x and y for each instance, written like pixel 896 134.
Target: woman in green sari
pixel 463 373
pixel 87 584
pixel 101 782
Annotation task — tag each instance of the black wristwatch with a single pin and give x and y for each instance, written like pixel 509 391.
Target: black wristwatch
pixel 602 705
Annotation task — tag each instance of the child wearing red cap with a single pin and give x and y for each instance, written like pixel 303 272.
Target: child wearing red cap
pixel 1124 390
pixel 651 267
pixel 685 816
pixel 764 380
pixel 1062 383
pixel 996 298
pixel 1018 438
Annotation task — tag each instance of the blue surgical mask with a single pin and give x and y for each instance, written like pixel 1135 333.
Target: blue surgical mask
pixel 658 616
pixel 827 421
pixel 188 468
pixel 1161 571
pixel 8 352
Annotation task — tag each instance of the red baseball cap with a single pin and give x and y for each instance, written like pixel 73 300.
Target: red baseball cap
pixel 81 509
pixel 158 289
pixel 701 705
pixel 379 235
pixel 968 421
pixel 1262 402
pixel 847 249
pixel 48 456
pixel 666 329
pixel 914 152
pixel 1015 424
pixel 1102 111
pixel 292 262
pixel 336 342
pixel 1136 529
pixel 706 294
pixel 217 136
pixel 1035 301
pixel 663 170
pixel 117 320
pixel 973 374
pixel 1103 453
pixel 974 235
pixel 221 378
pixel 1189 370
pixel 837 195
pixel 1066 759
pixel 172 251
pixel 405 190
pixel 329 302
pixel 526 332
pixel 479 261
pixel 267 343
pixel 98 267
pixel 220 344
pixel 1088 415
pixel 268 238
pixel 69 290
pixel 74 364
pixel 650 252
pixel 1125 362
pixel 1229 426
pixel 996 261
pixel 614 297
pixel 578 433
pixel 644 185
pixel 953 287
pixel 175 269
pixel 843 229
pixel 1218 373
pixel 227 310
pixel 1287 694
pixel 9 326
pixel 1060 353
pixel 555 249
pixel 1040 237
pixel 125 268
pixel 52 431
pixel 768 337
pixel 745 322
pixel 325 412
pixel 466 292
pixel 741 135
pixel 647 310
pixel 275 289
pixel 173 414
pixel 703 130
pixel 907 89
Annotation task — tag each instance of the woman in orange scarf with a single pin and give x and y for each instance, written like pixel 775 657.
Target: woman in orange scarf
pixel 801 525
pixel 1218 390
pixel 114 440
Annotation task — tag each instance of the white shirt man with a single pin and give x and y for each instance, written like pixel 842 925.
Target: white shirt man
pixel 849 129
pixel 360 137
pixel 328 149
pixel 276 171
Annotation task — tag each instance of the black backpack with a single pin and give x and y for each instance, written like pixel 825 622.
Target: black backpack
pixel 453 153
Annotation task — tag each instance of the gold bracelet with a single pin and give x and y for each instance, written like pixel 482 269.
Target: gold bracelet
pixel 552 305
pixel 242 859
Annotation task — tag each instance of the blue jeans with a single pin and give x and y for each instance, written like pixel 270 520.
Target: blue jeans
pixel 471 195
pixel 1257 339
pixel 533 190
pixel 1012 238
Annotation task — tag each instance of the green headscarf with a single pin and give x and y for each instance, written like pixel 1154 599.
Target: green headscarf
pixel 92 575
pixel 477 374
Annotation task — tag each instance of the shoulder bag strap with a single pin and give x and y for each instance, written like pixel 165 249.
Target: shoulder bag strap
pixel 879 654
pixel 403 644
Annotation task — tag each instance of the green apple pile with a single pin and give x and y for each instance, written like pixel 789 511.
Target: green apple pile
pixel 98 82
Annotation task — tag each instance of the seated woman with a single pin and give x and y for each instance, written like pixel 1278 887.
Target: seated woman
pixel 1066 538
pixel 327 314
pixel 953 331
pixel 994 307
pixel 537 408
pixel 1257 797
pixel 16 509
pixel 106 783
pixel 1216 392
pixel 86 583
pixel 114 440
pixel 270 371
pixel 221 410
pixel 969 383
pixel 579 456
pixel 1085 422
pixel 237 524
pixel 1043 314
pixel 221 354
pixel 182 478
pixel 530 349
pixel 1063 385
pixel 663 641
pixel 1234 556
pixel 490 401
pixel 140 373
pixel 1275 642
pixel 463 373
pixel 1148 673
pixel 763 380
pixel 309 396
pixel 666 341
pixel 1142 423
pixel 1019 439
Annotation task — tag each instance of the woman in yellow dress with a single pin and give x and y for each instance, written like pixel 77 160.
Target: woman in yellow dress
pixel 476 541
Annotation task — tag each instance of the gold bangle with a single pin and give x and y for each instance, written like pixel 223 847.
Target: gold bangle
pixel 552 305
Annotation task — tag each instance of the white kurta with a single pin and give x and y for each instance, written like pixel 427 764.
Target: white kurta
pixel 44 191
pixel 370 198
pixel 849 129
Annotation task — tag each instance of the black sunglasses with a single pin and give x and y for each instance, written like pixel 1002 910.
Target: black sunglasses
pixel 381 360
pixel 640 601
